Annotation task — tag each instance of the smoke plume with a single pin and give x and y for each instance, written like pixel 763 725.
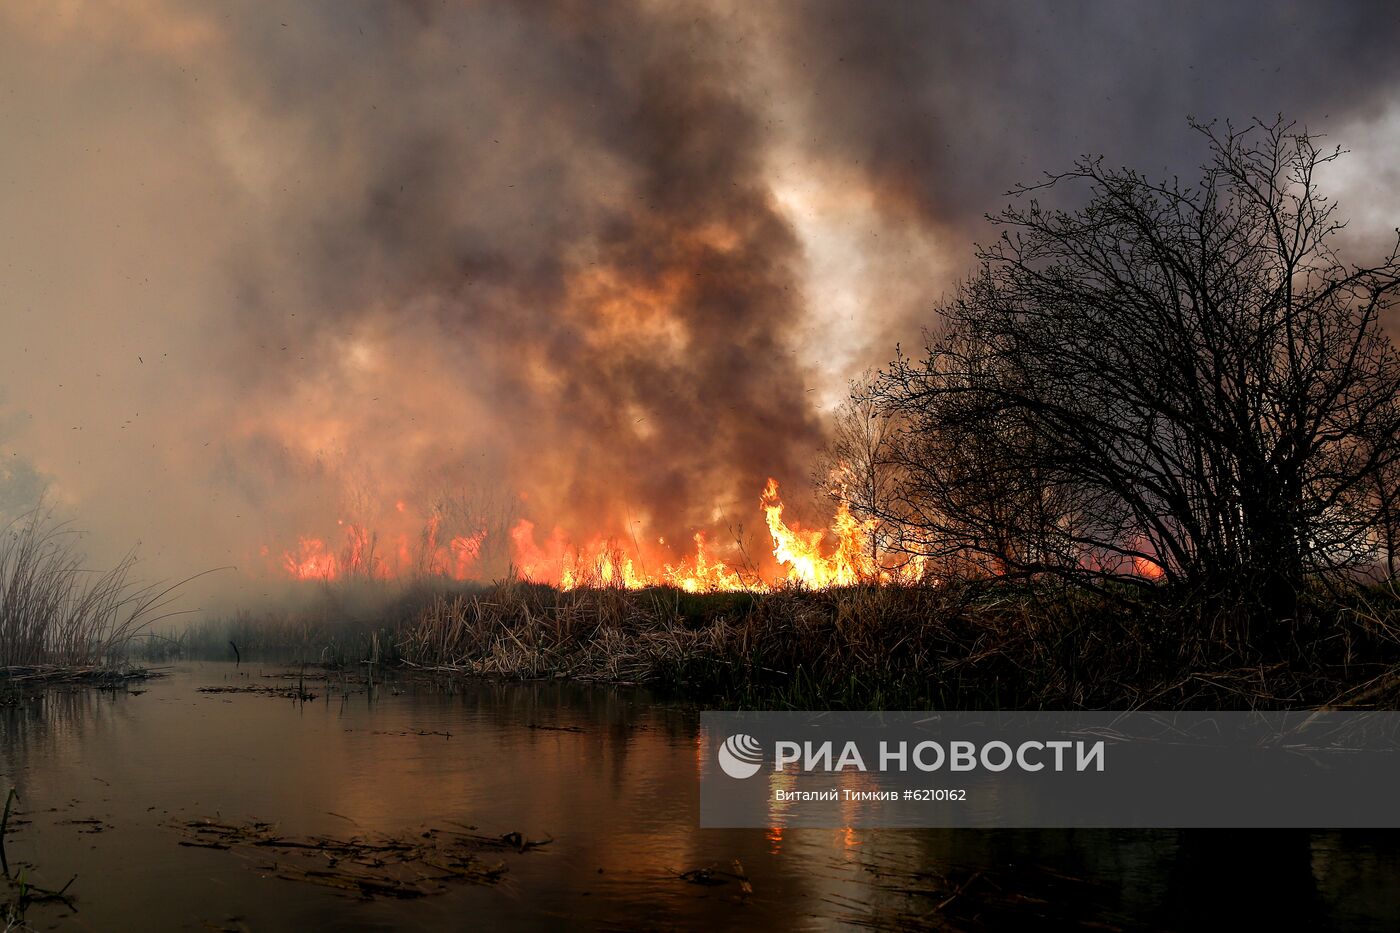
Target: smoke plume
pixel 434 268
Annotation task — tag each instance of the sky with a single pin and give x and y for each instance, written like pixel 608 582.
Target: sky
pixel 269 272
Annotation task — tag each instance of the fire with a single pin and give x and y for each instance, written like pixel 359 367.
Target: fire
pixel 359 558
pixel 816 558
pixel 312 561
pixel 1147 569
pixel 465 549
pixel 801 552
pixel 850 562
pixel 706 575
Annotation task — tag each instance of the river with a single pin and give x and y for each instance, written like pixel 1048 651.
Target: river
pixel 599 782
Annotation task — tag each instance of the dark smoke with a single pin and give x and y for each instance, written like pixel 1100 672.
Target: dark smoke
pixel 602 266
pixel 946 106
pixel 570 202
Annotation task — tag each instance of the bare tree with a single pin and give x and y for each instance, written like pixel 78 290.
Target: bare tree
pixel 1386 492
pixel 857 467
pixel 1172 381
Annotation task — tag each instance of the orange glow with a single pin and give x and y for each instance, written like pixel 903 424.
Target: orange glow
pixel 838 556
pixel 312 561
pixel 1147 569
pixel 465 549
pixel 849 562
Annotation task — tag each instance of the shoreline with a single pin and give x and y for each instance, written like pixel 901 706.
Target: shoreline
pixel 874 647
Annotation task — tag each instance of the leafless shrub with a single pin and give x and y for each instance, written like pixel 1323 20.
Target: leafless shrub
pixel 1176 383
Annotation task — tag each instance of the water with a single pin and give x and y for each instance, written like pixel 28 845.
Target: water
pixel 610 775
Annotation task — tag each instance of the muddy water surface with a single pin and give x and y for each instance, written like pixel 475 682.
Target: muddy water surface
pixel 109 783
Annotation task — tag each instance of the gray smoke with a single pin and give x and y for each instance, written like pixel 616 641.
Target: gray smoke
pixel 601 266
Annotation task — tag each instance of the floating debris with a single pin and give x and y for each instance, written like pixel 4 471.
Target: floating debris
pixel 419 865
pixel 286 693
pixel 708 877
pixel 95 675
pixel 714 877
pixel 20 891
pixel 520 844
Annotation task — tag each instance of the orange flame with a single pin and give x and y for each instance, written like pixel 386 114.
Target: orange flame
pixel 850 562
pixel 839 556
pixel 311 561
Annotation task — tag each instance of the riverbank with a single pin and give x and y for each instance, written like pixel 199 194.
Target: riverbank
pixel 959 646
pixel 101 675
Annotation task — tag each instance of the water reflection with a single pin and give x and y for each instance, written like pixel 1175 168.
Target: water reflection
pixel 611 776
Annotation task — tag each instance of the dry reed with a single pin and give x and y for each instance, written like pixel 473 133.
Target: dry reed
pixel 55 611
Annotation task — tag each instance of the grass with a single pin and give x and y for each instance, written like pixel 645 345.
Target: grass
pixel 954 646
pixel 55 612
pixel 337 629
pixel 959 645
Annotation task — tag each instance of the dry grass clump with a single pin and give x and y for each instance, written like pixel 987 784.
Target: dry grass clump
pixel 961 645
pixel 521 629
pixel 56 611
